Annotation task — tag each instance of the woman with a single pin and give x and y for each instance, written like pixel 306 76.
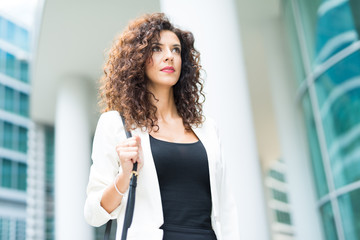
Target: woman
pixel 152 78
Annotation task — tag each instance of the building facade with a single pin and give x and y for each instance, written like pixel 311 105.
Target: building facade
pixel 14 126
pixel 325 43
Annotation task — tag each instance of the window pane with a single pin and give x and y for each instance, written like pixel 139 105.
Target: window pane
pixel 316 158
pixel 280 196
pixel 24 104
pixel 335 29
pixel 283 217
pixel 350 213
pixel 10 62
pixel 24 71
pixel 308 15
pixel 9 99
pixel 20 230
pixel 6 173
pixel 328 222
pixel 277 175
pixel 22 140
pixel 10 31
pixel 21 176
pixel 8 136
pixel 339 99
pixel 22 38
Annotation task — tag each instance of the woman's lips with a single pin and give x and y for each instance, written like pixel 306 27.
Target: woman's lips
pixel 168 69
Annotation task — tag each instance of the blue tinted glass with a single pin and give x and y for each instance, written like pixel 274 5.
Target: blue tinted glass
pixel 10 62
pixel 24 104
pixel 24 71
pixel 22 38
pixel 6 173
pixel 21 176
pixel 350 213
pixel 339 99
pixel 9 104
pixel 328 221
pixel 10 31
pixel 335 29
pixel 22 140
pixel 8 136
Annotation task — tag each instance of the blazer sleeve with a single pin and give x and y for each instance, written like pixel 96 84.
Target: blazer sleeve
pixel 227 206
pixel 109 132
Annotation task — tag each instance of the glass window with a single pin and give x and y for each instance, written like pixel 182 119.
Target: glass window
pixel 280 196
pixel 8 136
pixel 308 15
pixel 21 175
pixel 10 31
pixel 9 104
pixel 20 230
pixel 22 38
pixel 10 62
pixel 4 228
pixel 2 61
pixel 2 35
pixel 2 96
pixel 24 104
pixel 24 71
pixel 6 173
pixel 339 99
pixel 316 158
pixel 333 35
pixel 22 141
pixel 277 175
pixel 350 213
pixel 328 222
pixel 283 217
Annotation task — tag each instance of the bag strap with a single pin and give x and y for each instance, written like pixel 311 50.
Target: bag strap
pixel 109 223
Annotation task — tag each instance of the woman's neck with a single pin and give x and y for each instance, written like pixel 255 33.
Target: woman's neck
pixel 166 108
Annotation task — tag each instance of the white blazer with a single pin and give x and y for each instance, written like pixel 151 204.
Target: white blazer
pixel 148 215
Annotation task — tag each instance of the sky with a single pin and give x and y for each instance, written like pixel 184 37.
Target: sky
pixel 21 10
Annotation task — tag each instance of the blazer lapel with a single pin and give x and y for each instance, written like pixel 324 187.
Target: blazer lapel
pixel 148 184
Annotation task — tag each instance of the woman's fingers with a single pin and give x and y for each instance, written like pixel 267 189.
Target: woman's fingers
pixel 130 150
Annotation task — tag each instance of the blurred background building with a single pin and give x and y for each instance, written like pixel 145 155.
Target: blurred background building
pixel 282 80
pixel 14 125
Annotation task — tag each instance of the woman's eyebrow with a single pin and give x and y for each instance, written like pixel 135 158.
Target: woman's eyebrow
pixel 160 44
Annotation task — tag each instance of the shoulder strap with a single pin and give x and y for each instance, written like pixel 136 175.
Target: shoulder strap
pixel 109 223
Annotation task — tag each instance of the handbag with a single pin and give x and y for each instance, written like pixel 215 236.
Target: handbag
pixel 129 211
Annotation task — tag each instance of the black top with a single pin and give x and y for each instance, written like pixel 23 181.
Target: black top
pixel 183 175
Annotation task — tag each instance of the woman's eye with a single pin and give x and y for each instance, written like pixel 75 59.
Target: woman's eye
pixel 155 49
pixel 177 50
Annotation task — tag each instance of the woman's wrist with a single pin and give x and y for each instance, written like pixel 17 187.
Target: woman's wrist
pixel 121 183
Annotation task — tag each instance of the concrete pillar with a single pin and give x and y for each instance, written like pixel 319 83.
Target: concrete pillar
pixel 217 37
pixel 72 159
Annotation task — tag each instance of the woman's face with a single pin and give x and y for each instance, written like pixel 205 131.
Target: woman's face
pixel 164 67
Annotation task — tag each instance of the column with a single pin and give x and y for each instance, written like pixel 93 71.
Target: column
pixel 72 159
pixel 217 37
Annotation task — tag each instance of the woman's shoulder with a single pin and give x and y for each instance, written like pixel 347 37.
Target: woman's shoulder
pixel 108 120
pixel 110 116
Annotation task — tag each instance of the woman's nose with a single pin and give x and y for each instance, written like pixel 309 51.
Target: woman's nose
pixel 168 55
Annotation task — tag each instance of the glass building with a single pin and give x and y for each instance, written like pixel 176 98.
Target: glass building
pixel 14 126
pixel 325 43
pixel 279 206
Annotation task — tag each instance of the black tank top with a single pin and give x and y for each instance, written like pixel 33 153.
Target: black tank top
pixel 183 175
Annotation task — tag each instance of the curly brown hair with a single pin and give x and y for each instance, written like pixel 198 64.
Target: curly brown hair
pixel 124 85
